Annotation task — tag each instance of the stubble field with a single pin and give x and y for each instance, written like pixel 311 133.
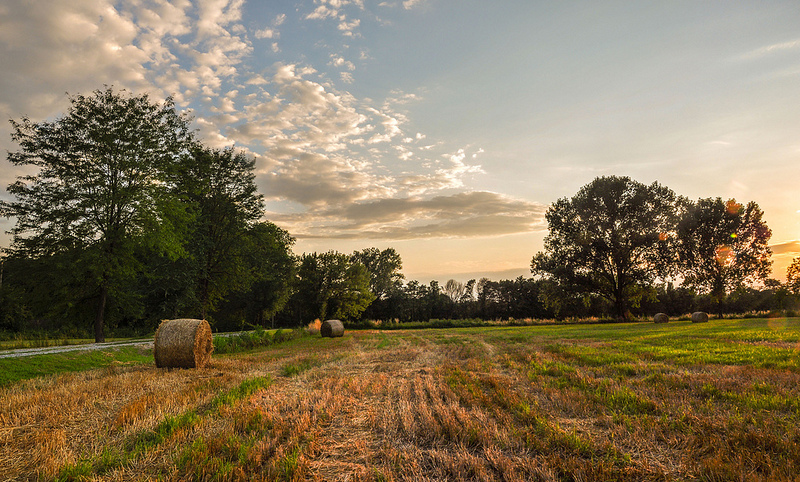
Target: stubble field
pixel 715 401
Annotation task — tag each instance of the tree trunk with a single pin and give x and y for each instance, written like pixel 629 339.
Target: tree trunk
pixel 99 332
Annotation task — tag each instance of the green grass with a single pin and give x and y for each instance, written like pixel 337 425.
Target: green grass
pixel 13 370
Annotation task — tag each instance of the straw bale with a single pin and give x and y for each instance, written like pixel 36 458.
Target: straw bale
pixel 183 343
pixel 661 318
pixel 699 317
pixel 332 328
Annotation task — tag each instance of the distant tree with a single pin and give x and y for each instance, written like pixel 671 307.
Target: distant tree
pixel 221 194
pixel 385 270
pixel 723 245
pixel 454 290
pixel 332 285
pixel 102 186
pixel 793 276
pixel 610 239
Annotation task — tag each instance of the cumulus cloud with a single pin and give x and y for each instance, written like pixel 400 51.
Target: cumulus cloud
pixel 344 165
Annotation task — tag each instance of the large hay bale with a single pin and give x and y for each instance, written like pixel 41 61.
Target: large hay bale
pixel 699 317
pixel 183 343
pixel 332 328
pixel 661 318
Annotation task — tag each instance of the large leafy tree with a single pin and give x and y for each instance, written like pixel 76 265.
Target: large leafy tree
pixel 385 270
pixel 723 245
pixel 267 252
pixel 223 199
pixel 611 239
pixel 385 281
pixel 100 185
pixel 333 285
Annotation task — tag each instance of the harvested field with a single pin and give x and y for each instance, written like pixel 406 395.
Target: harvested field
pixel 712 401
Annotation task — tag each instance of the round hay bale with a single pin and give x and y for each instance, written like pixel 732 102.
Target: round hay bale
pixel 661 318
pixel 183 343
pixel 332 328
pixel 699 317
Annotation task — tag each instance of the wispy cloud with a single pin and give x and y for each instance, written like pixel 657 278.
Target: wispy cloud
pixel 789 45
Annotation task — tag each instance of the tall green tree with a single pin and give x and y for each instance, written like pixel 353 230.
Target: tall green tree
pixel 723 245
pixel 611 239
pixel 267 252
pixel 385 270
pixel 222 197
pixel 100 186
pixel 332 285
pixel 385 281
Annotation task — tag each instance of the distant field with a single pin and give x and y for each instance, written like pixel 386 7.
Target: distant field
pixel 715 401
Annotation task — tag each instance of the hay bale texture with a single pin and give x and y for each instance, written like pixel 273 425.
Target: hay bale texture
pixel 699 317
pixel 332 328
pixel 183 343
pixel 661 318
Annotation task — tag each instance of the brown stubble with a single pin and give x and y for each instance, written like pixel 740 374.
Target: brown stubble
pixel 424 406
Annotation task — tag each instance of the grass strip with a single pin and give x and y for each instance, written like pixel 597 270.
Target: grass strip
pixel 145 441
pixel 13 370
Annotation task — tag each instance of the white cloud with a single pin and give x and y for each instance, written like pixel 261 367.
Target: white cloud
pixel 775 48
pixel 409 4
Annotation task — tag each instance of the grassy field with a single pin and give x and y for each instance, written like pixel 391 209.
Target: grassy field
pixel 715 401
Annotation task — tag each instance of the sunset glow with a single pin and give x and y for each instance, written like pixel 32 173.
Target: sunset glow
pixel 442 128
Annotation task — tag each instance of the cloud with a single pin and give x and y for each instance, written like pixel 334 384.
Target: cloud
pixel 409 4
pixel 468 214
pixel 341 165
pixel 789 247
pixel 775 48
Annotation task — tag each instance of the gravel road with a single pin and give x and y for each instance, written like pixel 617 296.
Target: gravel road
pixel 61 349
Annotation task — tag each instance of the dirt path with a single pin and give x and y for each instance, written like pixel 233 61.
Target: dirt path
pixel 66 348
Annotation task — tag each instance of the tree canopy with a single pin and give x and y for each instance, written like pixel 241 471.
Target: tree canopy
pixel 723 244
pixel 99 185
pixel 610 239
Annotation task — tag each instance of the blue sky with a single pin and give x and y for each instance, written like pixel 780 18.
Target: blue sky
pixel 442 128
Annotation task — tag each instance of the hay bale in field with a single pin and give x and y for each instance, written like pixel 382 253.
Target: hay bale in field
pixel 183 343
pixel 661 318
pixel 699 317
pixel 332 328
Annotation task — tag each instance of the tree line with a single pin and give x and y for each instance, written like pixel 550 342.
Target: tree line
pixel 124 218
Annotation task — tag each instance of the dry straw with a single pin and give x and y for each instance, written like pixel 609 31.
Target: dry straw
pixel 699 317
pixel 661 318
pixel 332 328
pixel 183 343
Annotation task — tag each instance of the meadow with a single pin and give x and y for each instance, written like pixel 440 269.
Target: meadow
pixel 639 401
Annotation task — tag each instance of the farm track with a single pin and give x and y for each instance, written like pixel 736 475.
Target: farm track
pixel 482 404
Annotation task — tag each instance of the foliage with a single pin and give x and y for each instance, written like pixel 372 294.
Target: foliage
pixel 722 245
pixel 793 276
pixel 221 195
pixel 331 285
pixel 610 239
pixel 99 187
pixel 266 251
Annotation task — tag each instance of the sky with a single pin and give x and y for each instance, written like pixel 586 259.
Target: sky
pixel 441 128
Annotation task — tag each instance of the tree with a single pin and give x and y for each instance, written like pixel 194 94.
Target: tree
pixel 454 290
pixel 722 245
pixel 385 280
pixel 101 188
pixel 793 276
pixel 268 255
pixel 222 196
pixel 332 285
pixel 384 269
pixel 610 239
